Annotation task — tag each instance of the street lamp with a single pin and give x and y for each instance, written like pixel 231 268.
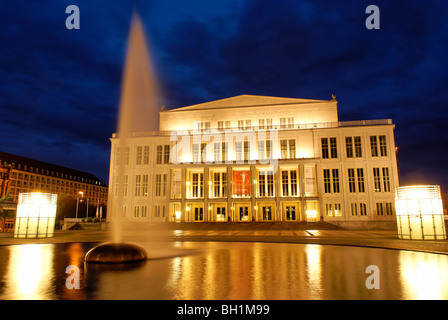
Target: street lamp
pixel 77 202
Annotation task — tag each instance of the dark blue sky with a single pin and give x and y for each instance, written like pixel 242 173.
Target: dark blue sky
pixel 59 88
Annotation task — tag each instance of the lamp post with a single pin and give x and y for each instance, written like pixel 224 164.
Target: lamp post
pixel 77 202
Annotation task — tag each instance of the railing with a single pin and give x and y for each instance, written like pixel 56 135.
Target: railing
pixel 318 125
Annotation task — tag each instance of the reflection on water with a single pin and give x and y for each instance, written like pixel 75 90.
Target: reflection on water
pixel 29 274
pixel 225 271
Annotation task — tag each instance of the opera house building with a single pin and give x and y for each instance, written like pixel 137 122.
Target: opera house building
pixel 257 159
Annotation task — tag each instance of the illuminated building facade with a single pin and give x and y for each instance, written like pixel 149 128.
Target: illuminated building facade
pixel 24 175
pixel 256 158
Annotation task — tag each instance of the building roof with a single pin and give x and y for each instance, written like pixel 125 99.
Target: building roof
pixel 246 101
pixel 85 177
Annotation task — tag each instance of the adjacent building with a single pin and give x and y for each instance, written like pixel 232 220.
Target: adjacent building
pixel 256 158
pixel 23 175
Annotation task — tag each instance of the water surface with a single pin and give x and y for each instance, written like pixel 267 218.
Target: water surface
pixel 217 270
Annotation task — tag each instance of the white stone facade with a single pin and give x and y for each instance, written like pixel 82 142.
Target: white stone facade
pixel 256 158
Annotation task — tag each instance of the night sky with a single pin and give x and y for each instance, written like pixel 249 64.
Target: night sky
pixel 60 88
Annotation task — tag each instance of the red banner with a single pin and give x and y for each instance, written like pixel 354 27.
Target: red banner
pixel 241 183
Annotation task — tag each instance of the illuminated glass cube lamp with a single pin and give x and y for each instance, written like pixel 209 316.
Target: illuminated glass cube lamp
pixel 419 213
pixel 36 214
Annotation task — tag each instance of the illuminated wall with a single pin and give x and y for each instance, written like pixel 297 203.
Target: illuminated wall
pixel 419 213
pixel 36 213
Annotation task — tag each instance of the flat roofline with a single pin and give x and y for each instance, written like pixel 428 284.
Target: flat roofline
pixel 303 126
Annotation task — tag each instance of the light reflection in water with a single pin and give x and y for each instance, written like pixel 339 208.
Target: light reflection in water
pixel 218 270
pixel 29 273
pixel 424 277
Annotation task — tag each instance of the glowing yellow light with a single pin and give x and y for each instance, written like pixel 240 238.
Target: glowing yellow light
pixel 36 213
pixel 311 214
pixel 419 212
pixel 177 215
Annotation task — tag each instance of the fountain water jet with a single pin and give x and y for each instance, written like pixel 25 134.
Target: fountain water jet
pixel 138 112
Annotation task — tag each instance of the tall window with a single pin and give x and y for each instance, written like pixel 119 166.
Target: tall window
pixel 239 150
pixel 325 153
pixel 159 154
pixel 382 146
pixel 288 149
pixel 289 183
pixel 358 147
pixel 327 181
pixel 261 150
pixel 377 179
pixel 353 147
pixel 199 152
pixel 331 181
pixel 219 184
pixel 356 180
pixel 125 186
pixel 265 183
pixel 360 172
pixel 145 185
pixel 291 122
pixel 386 180
pixel 138 185
pixel 333 148
pixel 146 155
pixel 197 184
pixel 176 187
pixel 282 123
pixel 158 185
pixel 139 155
pixel 217 152
pixel 329 148
pixel 351 180
pixel 246 150
pixel 166 154
pixel 381 176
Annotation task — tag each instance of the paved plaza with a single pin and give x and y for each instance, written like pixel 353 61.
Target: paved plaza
pixel 275 234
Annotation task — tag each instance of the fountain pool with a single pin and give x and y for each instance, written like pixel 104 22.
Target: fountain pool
pixel 223 270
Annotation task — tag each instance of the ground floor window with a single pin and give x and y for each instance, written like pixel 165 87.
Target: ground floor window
pixel 333 210
pixel 266 211
pixel 311 210
pixel 175 212
pixel 219 211
pixel 242 212
pixel 195 212
pixel 291 211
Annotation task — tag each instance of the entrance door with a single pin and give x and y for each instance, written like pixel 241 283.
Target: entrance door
pixel 198 214
pixel 290 212
pixel 266 212
pixel 244 213
pixel 221 213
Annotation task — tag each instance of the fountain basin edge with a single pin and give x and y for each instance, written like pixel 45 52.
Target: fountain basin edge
pixel 116 252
